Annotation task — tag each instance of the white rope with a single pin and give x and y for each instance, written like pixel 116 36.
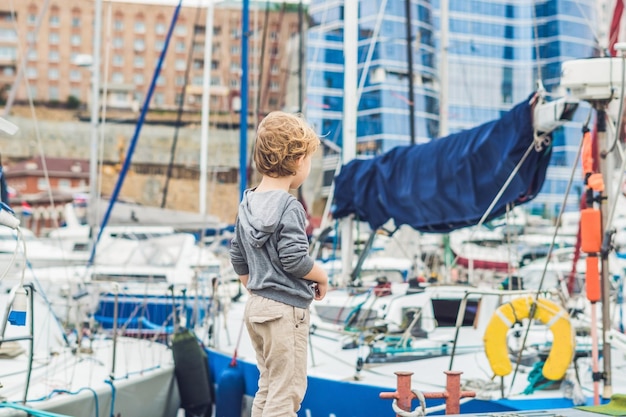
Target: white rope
pixel 418 412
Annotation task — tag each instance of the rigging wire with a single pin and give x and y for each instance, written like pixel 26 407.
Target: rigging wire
pixel 549 254
pixel 181 104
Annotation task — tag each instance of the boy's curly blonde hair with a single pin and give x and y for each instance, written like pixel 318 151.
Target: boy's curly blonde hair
pixel 282 138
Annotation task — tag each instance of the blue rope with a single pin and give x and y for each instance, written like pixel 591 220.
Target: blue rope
pixel 534 377
pixel 62 391
pixel 108 381
pixel 31 411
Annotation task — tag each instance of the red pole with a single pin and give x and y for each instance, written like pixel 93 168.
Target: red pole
pixel 403 394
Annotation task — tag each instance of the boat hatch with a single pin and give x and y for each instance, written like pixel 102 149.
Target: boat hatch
pixel 446 311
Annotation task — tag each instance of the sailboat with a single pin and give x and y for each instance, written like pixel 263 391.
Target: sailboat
pixel 47 372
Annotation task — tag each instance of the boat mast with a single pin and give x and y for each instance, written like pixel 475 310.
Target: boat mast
pixel 607 390
pixel 243 115
pixel 409 53
pixel 350 77
pixel 443 68
pixel 94 196
pixel 206 99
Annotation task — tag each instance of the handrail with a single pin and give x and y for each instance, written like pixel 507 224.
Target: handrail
pixel 30 337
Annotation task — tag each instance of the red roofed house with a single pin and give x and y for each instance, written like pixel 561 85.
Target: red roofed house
pixel 66 177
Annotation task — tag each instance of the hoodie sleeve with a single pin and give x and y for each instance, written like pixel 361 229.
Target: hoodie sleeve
pixel 293 245
pixel 237 257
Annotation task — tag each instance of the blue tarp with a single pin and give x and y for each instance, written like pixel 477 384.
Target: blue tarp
pixel 448 183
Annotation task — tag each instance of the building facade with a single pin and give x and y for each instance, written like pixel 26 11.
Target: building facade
pixel 497 52
pixel 52 43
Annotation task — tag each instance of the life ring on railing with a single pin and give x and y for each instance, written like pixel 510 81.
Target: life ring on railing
pixel 549 313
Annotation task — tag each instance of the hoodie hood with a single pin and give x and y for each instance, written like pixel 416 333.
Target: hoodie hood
pixel 261 212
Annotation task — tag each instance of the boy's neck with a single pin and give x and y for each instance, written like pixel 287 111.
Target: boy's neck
pixel 270 184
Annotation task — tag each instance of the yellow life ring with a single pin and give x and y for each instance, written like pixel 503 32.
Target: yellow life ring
pixel 547 312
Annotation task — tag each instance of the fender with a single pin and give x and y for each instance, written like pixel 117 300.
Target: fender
pixel 547 312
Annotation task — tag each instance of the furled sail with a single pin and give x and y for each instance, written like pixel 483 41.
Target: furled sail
pixel 449 183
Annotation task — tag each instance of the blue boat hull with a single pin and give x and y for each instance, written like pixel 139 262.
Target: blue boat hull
pixel 326 397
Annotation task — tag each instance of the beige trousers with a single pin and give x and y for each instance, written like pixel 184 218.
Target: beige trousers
pixel 279 334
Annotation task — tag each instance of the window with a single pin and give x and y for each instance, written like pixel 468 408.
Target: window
pixel 118 60
pixel 159 99
pixel 234 83
pixel 31 72
pixel 138 79
pixel 180 46
pixel 53 38
pixel 7 53
pixel 53 56
pixel 159 28
pixel 160 80
pixel 180 64
pixel 234 33
pixel 138 62
pixel 42 184
pixel 64 184
pixel 181 29
pixel 54 21
pixel 8 71
pixel 234 50
pixel 8 35
pixel 118 25
pixel 158 45
pixel 75 75
pixel 118 42
pixel 75 40
pixel 139 45
pixel 53 74
pixel 140 27
pixel 274 69
pixel 274 86
pixel 234 67
pixel 75 22
pixel 216 81
pixel 215 64
pixel 31 18
pixel 179 81
pixel 53 93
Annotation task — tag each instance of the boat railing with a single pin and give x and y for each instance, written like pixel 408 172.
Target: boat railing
pixel 501 294
pixel 17 304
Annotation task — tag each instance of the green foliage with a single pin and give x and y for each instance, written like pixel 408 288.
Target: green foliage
pixel 72 102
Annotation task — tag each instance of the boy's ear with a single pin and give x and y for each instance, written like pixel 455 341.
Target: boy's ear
pixel 301 160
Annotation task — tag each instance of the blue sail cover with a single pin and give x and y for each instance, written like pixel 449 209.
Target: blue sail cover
pixel 448 183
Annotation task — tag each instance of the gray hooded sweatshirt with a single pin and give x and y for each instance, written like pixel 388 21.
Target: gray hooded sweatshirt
pixel 271 246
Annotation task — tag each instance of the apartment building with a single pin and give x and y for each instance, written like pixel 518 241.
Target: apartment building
pixel 53 44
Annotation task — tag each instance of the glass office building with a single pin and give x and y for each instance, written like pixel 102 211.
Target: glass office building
pixel 497 51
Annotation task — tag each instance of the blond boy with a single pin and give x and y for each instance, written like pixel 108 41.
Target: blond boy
pixel 270 254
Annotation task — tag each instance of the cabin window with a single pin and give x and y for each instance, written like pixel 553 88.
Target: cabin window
pixel 446 311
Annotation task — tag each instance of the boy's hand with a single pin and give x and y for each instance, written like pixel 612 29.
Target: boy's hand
pixel 320 290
